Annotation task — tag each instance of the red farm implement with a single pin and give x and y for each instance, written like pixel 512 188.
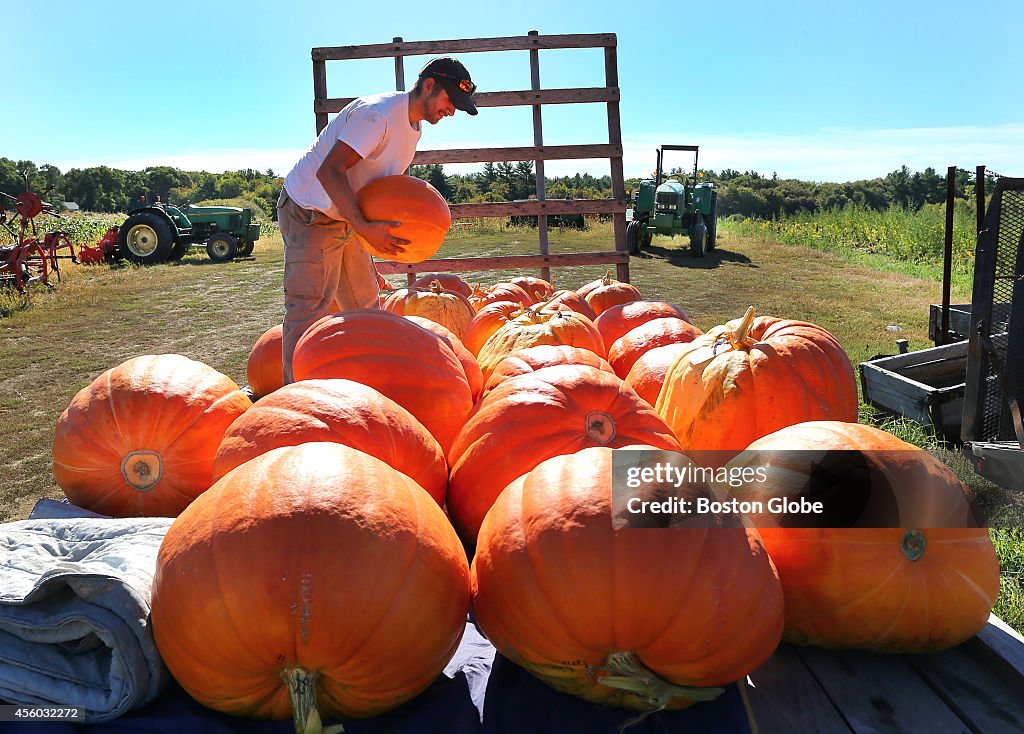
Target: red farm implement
pixel 30 260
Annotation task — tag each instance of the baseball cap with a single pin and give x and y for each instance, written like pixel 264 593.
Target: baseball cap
pixel 452 75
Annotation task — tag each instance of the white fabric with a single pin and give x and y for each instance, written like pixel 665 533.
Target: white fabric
pixel 377 128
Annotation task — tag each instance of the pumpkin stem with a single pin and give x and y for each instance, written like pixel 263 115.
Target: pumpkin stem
pixel 629 674
pixel 302 692
pixel 913 544
pixel 436 287
pixel 744 327
pixel 608 279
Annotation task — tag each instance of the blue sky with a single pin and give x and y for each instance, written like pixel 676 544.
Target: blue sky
pixel 812 90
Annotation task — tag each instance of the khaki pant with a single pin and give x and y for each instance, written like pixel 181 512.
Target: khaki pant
pixel 325 269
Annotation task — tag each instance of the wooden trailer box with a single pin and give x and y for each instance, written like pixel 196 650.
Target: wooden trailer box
pixel 926 386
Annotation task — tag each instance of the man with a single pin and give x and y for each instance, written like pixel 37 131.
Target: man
pixel 325 268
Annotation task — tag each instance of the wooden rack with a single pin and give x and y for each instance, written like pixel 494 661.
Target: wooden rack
pixel 534 97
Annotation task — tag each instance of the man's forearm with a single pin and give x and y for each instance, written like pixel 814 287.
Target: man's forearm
pixel 339 189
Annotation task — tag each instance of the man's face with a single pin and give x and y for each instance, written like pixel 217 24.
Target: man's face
pixel 438 104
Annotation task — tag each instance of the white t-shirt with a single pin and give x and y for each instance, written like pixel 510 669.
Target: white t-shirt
pixel 377 128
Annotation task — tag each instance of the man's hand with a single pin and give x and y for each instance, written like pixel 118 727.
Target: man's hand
pixel 380 239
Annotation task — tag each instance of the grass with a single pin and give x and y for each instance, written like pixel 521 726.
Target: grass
pixel 57 342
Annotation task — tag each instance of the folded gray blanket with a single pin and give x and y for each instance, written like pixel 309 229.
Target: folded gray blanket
pixel 74 613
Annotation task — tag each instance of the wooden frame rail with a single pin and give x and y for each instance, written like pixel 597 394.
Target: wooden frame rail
pixel 534 97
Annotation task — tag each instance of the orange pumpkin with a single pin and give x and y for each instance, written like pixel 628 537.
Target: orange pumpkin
pixel 411 365
pixel 532 417
pixel 618 320
pixel 569 301
pixel 448 281
pixel 469 364
pixel 922 587
pixel 627 349
pixel 753 376
pixel 341 411
pixel 488 320
pixel 539 327
pixel 647 375
pixel 584 290
pixel 499 292
pixel 256 584
pixel 532 359
pixel 610 293
pixel 263 370
pixel 448 308
pixel 538 288
pixel 644 618
pixel 140 440
pixel 422 213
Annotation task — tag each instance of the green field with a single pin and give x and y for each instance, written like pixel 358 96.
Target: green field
pixel 59 341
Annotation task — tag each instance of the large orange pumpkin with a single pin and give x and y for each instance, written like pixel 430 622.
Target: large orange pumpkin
pixel 450 309
pixel 610 293
pixel 263 369
pixel 422 213
pixel 647 375
pixel 315 568
pixel 538 288
pixel 140 440
pixel 448 281
pixel 616 321
pixel 469 364
pixel 488 320
pixel 411 365
pixel 341 411
pixel 532 359
pixel 539 327
pixel 753 376
pixel 627 349
pixel 480 296
pixel 569 301
pixel 915 588
pixel 532 417
pixel 644 618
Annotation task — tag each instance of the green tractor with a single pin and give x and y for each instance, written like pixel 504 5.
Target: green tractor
pixel 674 207
pixel 155 233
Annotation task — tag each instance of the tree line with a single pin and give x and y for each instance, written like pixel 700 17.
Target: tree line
pixel 749 194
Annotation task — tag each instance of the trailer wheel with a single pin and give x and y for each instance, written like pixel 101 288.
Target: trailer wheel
pixel 245 248
pixel 145 238
pixel 221 247
pixel 699 239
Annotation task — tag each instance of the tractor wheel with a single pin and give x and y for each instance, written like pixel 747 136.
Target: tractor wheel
pixel 633 237
pixel 179 249
pixel 245 247
pixel 699 239
pixel 145 238
pixel 713 223
pixel 222 247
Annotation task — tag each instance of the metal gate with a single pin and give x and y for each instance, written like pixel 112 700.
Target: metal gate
pixel 993 429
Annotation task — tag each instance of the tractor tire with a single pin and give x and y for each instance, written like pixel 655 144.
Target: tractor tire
pixel 222 247
pixel 699 239
pixel 179 250
pixel 145 238
pixel 713 223
pixel 245 247
pixel 633 238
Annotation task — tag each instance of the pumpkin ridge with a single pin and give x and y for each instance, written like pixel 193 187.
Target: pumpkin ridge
pixel 204 415
pixel 531 555
pixel 387 610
